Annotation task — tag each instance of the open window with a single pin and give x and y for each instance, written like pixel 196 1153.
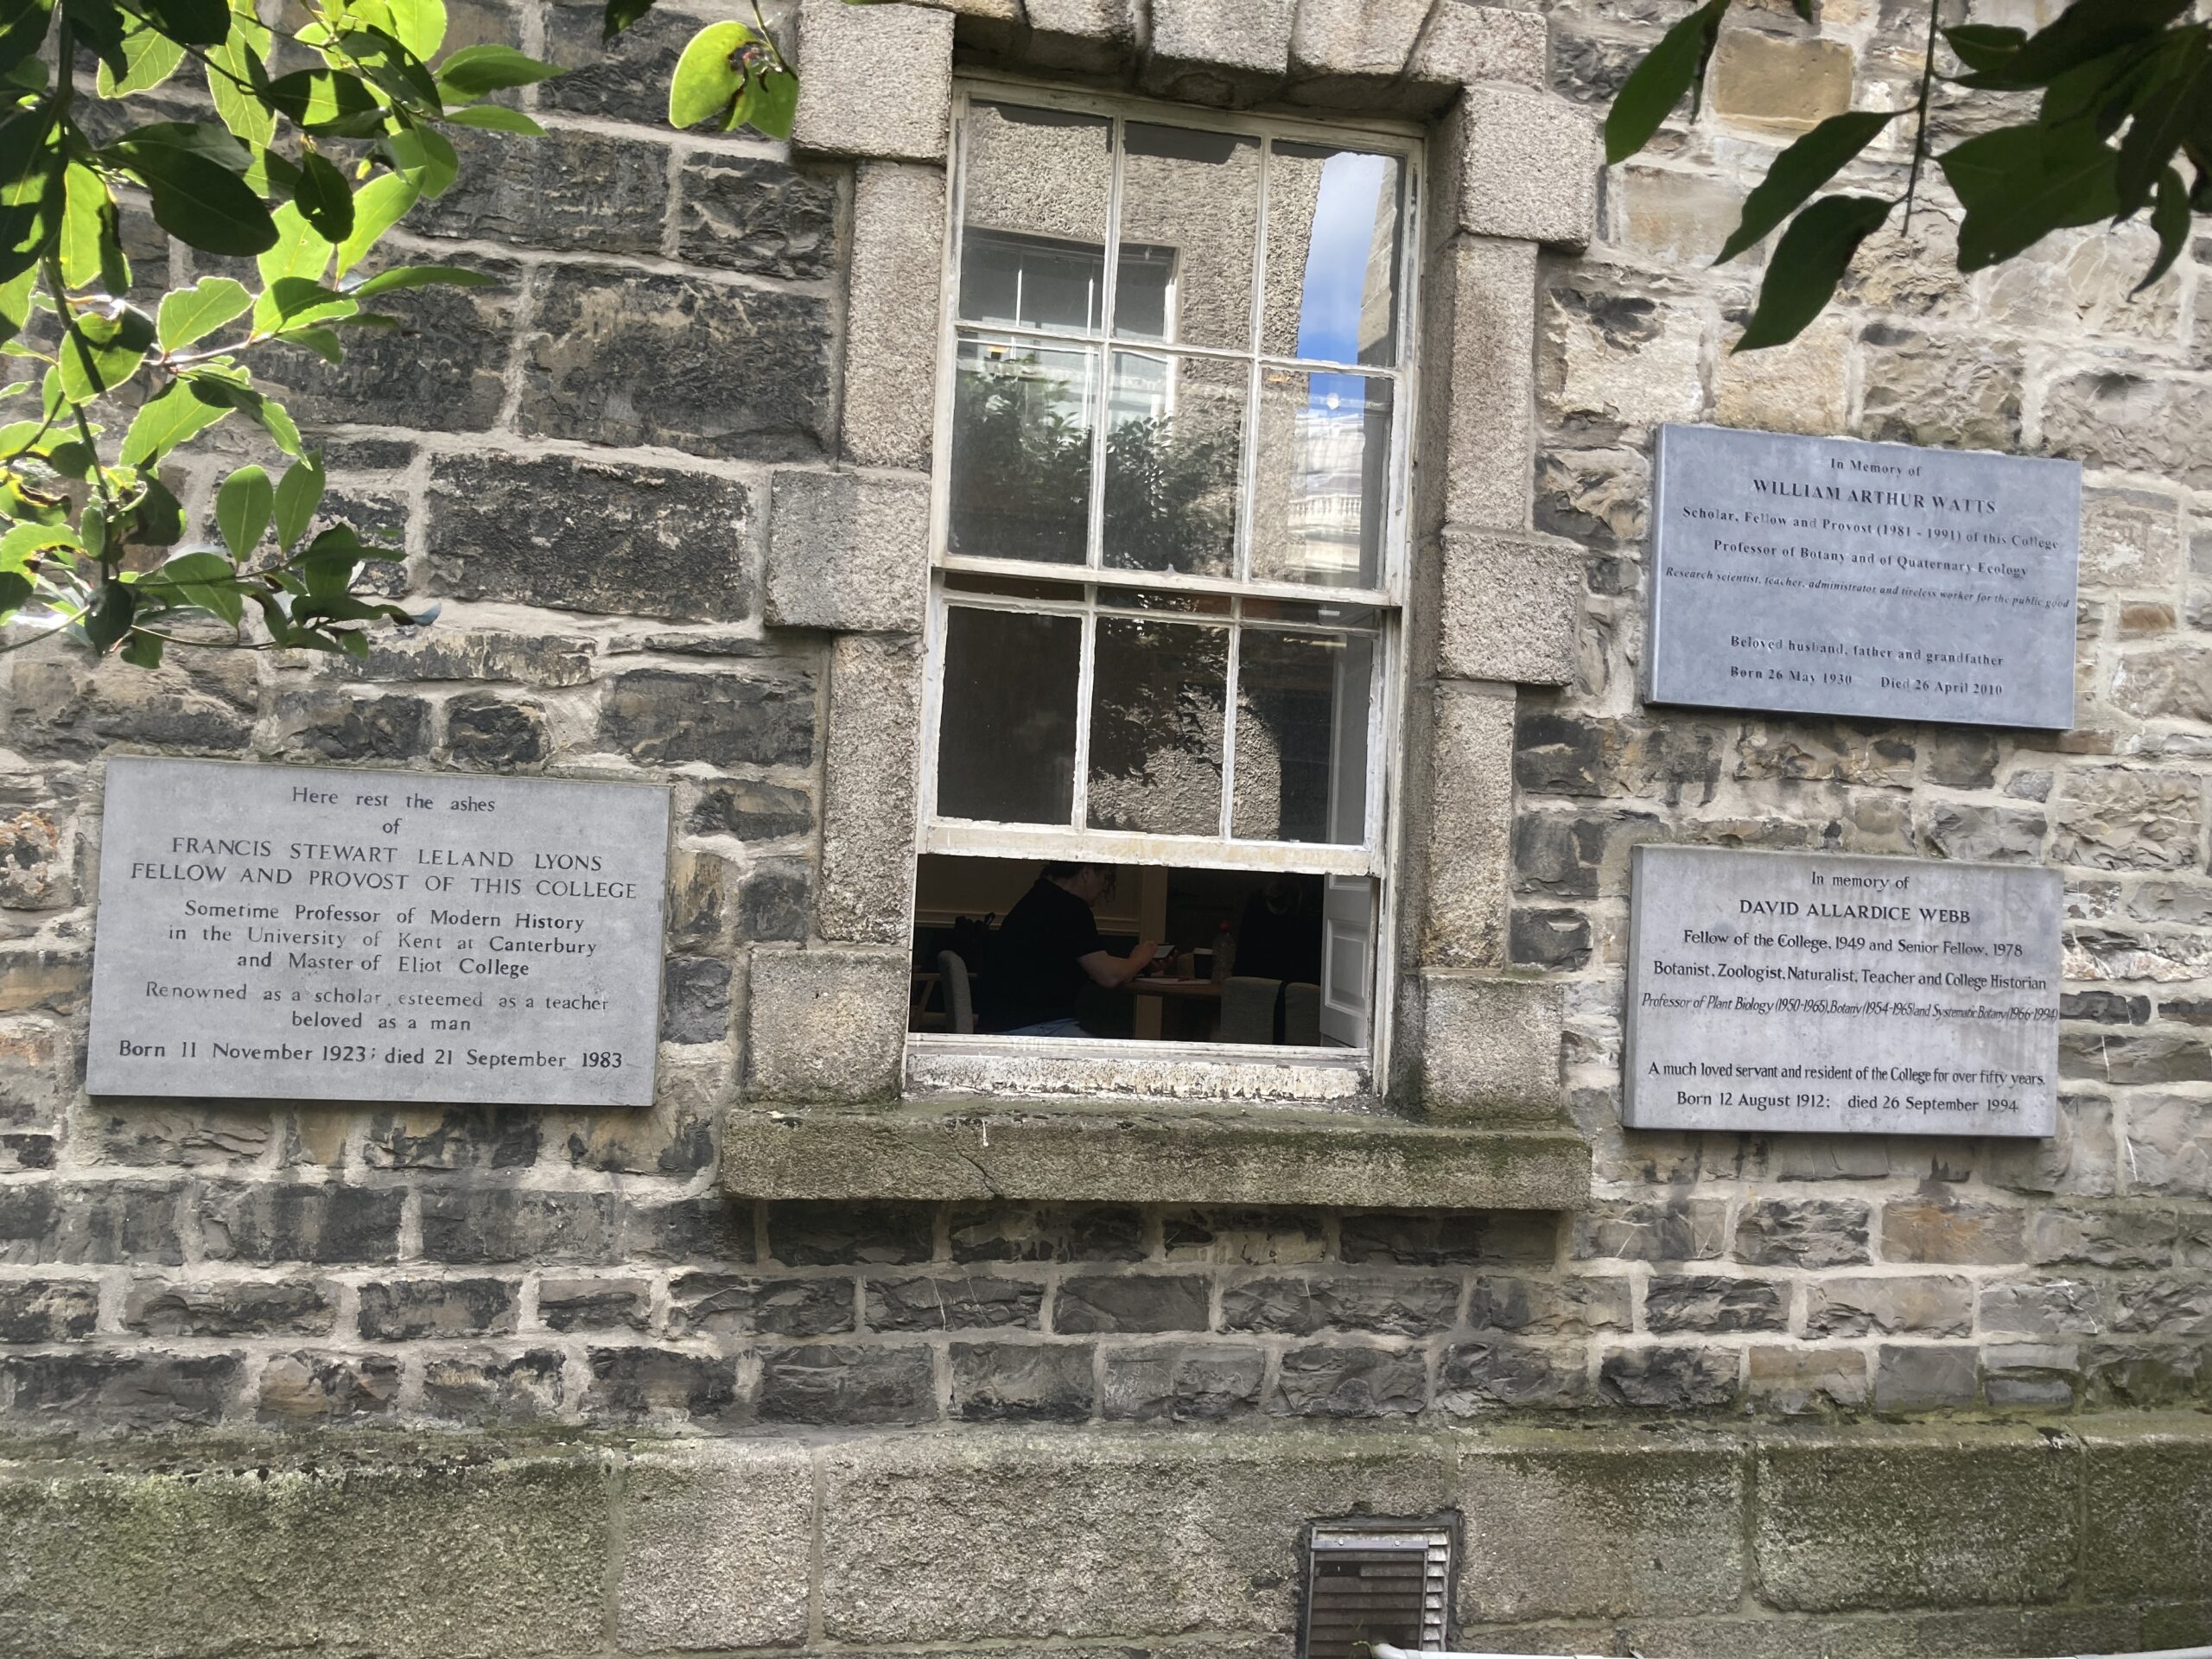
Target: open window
pixel 1166 600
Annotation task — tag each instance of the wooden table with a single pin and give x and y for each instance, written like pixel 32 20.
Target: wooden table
pixel 1182 990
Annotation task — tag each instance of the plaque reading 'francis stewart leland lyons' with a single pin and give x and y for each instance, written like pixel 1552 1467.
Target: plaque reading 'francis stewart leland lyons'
pixel 1819 991
pixel 307 933
pixel 1824 575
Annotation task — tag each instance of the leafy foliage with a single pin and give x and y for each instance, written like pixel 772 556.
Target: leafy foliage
pixel 2122 94
pixel 314 140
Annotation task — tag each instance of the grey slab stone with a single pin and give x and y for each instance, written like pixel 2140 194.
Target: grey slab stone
pixel 890 384
pixel 314 934
pixel 1520 164
pixel 871 754
pixel 848 551
pixel 826 1026
pixel 717 1539
pixel 1490 1048
pixel 1826 575
pixel 874 80
pixel 1508 609
pixel 1828 993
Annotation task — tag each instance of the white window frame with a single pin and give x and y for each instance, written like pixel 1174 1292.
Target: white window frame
pixel 943 1062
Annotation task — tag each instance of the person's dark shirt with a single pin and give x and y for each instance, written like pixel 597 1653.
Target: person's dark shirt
pixel 1035 972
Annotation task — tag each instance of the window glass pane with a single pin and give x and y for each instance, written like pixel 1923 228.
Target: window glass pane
pixel 1333 253
pixel 1033 247
pixel 1145 599
pixel 1321 490
pixel 1190 232
pixel 1301 737
pixel 1158 695
pixel 1006 737
pixel 1066 593
pixel 1020 464
pixel 1173 454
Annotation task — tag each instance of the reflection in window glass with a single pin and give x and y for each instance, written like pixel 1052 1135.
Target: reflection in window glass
pixel 1320 488
pixel 1332 241
pixel 1006 742
pixel 1021 462
pixel 1157 703
pixel 1301 737
pixel 1173 452
pixel 1192 200
pixel 1034 192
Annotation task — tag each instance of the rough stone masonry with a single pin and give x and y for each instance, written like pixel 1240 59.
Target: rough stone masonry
pixel 504 1381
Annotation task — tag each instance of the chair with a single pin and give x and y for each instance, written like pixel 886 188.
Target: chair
pixel 1248 1009
pixel 1301 1015
pixel 957 1001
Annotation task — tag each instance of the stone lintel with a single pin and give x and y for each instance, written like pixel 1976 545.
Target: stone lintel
pixel 988 1149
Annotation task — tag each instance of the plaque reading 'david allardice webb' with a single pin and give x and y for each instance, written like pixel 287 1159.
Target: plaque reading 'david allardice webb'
pixel 296 932
pixel 1820 991
pixel 1826 575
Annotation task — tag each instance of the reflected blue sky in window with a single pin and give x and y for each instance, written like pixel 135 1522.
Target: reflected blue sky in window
pixel 1336 256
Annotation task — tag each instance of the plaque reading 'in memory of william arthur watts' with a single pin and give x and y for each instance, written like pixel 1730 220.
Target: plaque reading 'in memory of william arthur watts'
pixel 315 934
pixel 1828 575
pixel 1819 991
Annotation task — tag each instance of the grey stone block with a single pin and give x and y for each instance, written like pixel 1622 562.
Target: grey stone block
pixel 1080 1233
pixel 625 78
pixel 627 357
pixel 751 811
pixel 1392 1305
pixel 1670 1378
pixel 874 80
pixel 1478 442
pixel 2142 1476
pixel 588 535
pixel 49 1309
pixel 717 1539
pixel 723 1304
pixel 485 1386
pixel 1347 44
pixel 1653 1230
pixel 871 764
pixel 1490 1049
pixel 1467 818
pixel 1708 1302
pixel 694 1000
pixel 1478 1376
pixel 1508 609
pixel 341 725
pixel 594 1304
pixel 45 1392
pixel 494 734
pixel 281 1222
pixel 1092 36
pixel 1671 1538
pixel 846 1383
pixel 1803 1232
pixel 1467 42
pixel 481 1225
pixel 848 551
pixel 306 1390
pixel 1520 163
pixel 228 1308
pixel 1181 1383
pixel 661 1387
pixel 1857 1307
pixel 1990 1518
pixel 1203 53
pixel 444 371
pixel 2031 1376
pixel 849 1235
pixel 577 192
pixel 724 717
pixel 745 213
pixel 825 1026
pixel 1333 1382
pixel 962 1302
pixel 1124 1302
pixel 409 1309
pixel 889 411
pixel 1021 1382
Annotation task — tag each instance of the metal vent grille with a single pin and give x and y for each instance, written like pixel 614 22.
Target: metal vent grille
pixel 1365 1583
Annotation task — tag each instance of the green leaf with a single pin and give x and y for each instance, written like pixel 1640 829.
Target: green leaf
pixel 265 411
pixel 300 300
pixel 168 419
pixel 400 276
pixel 202 138
pixel 298 252
pixel 238 59
pixel 243 506
pixel 396 71
pixel 420 25
pixel 1984 45
pixel 476 70
pixel 153 57
pixel 25 544
pixel 193 313
pixel 299 493
pixel 83 215
pixel 321 341
pixel 1649 94
pixel 1808 263
pixel 98 356
pixel 619 14
pixel 377 206
pixel 22 30
pixel 207 580
pixel 424 158
pixel 196 22
pixel 2018 184
pixel 323 198
pixel 143 651
pixel 495 118
pixel 2176 106
pixel 158 519
pixel 2086 30
pixel 1800 170
pixel 109 618
pixel 2171 219
pixel 201 204
pixel 98 26
pixel 325 101
pixel 710 75
pixel 767 104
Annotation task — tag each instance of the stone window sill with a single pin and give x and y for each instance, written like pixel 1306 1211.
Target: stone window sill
pixel 968 1149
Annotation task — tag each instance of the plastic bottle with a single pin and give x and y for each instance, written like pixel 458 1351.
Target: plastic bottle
pixel 1225 949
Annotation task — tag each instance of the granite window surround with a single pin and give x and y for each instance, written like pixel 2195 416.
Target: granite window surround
pixel 1473 1046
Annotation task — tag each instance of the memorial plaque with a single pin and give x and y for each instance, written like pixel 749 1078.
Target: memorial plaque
pixel 1819 991
pixel 296 932
pixel 1827 575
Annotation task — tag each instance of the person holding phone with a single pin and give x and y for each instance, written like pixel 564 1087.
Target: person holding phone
pixel 1047 949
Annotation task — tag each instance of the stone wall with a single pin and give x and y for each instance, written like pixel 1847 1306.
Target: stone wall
pixel 632 476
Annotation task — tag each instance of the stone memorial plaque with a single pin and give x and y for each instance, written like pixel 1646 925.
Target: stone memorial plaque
pixel 1819 991
pixel 1828 575
pixel 298 932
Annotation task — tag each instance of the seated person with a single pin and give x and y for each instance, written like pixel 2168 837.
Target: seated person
pixel 1047 950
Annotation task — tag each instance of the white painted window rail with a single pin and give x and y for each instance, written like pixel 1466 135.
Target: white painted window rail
pixel 1384 1651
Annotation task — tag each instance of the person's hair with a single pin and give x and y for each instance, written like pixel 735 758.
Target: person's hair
pixel 1062 869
